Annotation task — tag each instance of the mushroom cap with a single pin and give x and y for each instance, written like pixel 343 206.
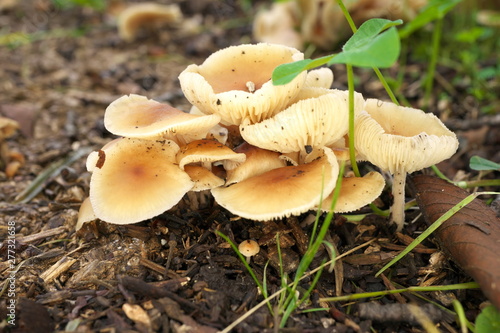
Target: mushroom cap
pixel 319 118
pixel 281 192
pixel 7 127
pixel 249 248
pixel 203 178
pixel 257 161
pixel 138 15
pixel 356 192
pixel 137 116
pixel 85 214
pixel 319 78
pixel 278 25
pixel 397 138
pixel 235 82
pixel 137 181
pixel 209 151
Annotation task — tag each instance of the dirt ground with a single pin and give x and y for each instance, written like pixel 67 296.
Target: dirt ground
pixel 173 273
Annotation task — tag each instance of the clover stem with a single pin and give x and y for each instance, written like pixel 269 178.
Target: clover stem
pixel 398 193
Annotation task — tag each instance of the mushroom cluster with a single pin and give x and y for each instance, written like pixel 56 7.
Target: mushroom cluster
pixel 263 151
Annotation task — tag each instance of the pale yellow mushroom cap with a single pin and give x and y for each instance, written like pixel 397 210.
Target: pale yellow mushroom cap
pixel 235 82
pixel 257 161
pixel 139 117
pixel 397 138
pixel 318 119
pixel 320 78
pixel 281 192
pixel 356 192
pixel 141 15
pixel 137 180
pixel 209 151
pixel 203 178
pixel 85 214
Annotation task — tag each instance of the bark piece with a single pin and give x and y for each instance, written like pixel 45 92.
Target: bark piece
pixel 470 237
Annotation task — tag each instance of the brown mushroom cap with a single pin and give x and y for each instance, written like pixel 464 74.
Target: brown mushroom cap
pixel 400 138
pixel 281 192
pixel 257 161
pixel 137 116
pixel 356 192
pixel 146 14
pixel 235 82
pixel 249 248
pixel 138 179
pixel 7 127
pixel 318 119
pixel 209 151
pixel 203 178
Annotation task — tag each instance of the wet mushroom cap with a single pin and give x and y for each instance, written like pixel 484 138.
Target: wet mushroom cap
pixel 356 192
pixel 139 117
pixel 146 14
pixel 137 180
pixel 235 82
pixel 281 192
pixel 400 138
pixel 209 151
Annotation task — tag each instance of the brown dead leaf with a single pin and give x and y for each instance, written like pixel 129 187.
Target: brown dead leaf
pixel 471 236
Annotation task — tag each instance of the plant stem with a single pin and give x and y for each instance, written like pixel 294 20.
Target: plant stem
pixel 347 16
pixel 431 70
pixel 352 150
pixel 386 85
pixel 398 193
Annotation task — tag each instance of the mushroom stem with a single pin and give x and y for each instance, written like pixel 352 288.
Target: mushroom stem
pixel 207 165
pixel 398 193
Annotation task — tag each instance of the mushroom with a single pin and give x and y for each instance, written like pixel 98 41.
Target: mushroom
pixel 235 82
pixel 136 179
pixel 249 248
pixel 356 192
pixel 281 192
pixel 319 118
pixel 207 152
pixel 85 214
pixel 203 178
pixel 278 25
pixel 257 161
pixel 137 116
pixel 319 78
pixel 145 15
pixel 401 140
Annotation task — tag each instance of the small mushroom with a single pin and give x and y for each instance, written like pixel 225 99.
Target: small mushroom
pixel 281 192
pixel 235 82
pixel 249 248
pixel 137 180
pixel 401 140
pixel 278 25
pixel 203 178
pixel 207 152
pixel 137 116
pixel 145 15
pixel 257 161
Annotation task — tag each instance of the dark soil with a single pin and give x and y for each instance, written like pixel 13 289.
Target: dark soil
pixel 173 273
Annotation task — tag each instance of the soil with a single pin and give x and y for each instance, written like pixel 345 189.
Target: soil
pixel 173 273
